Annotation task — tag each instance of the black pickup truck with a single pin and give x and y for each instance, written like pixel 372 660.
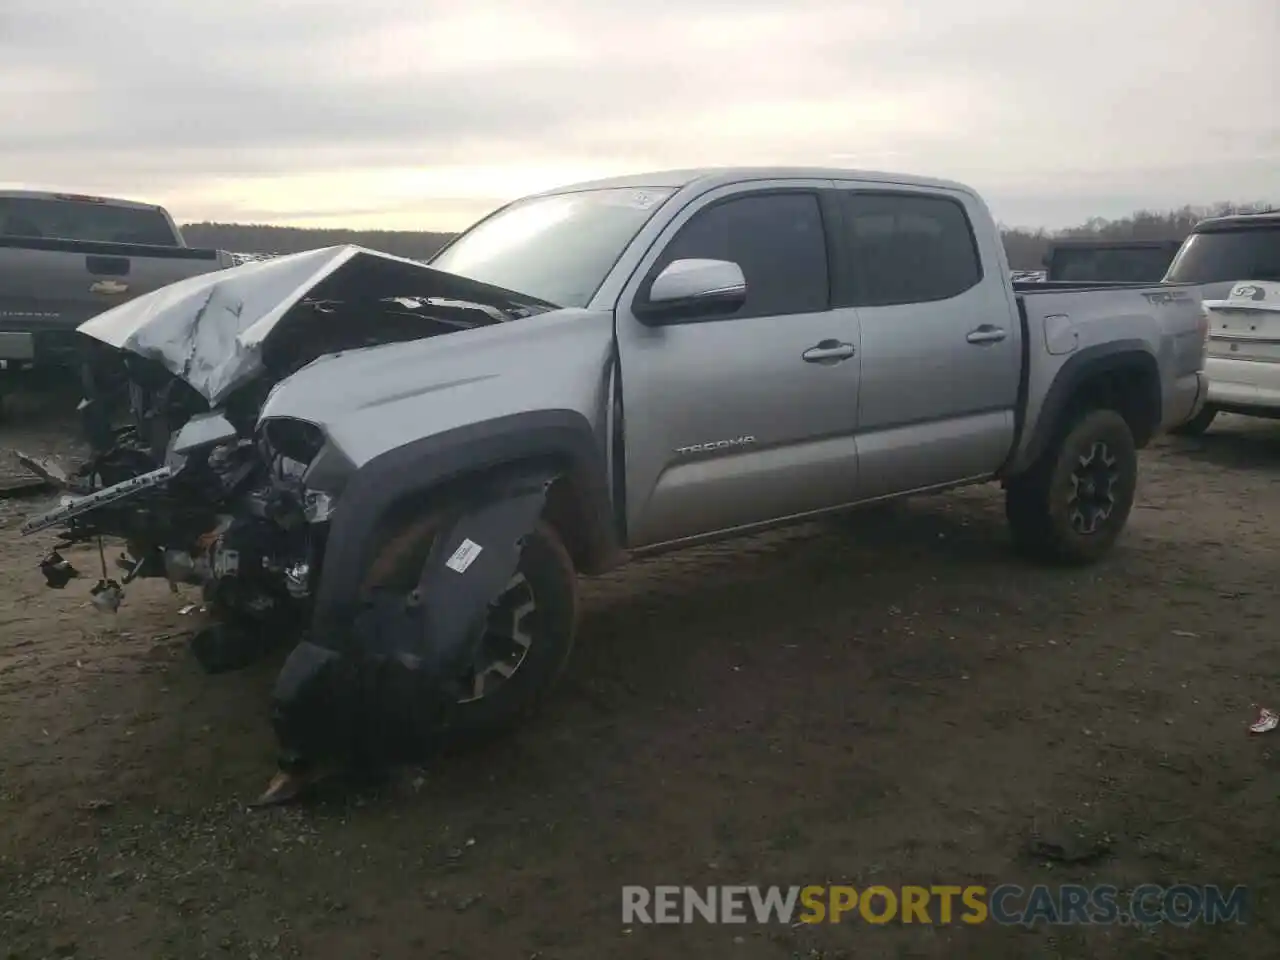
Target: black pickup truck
pixel 1110 261
pixel 67 257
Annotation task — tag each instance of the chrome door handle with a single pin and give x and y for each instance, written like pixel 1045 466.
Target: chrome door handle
pixel 828 351
pixel 986 334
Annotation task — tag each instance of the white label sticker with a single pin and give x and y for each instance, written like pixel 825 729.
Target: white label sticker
pixel 634 201
pixel 464 556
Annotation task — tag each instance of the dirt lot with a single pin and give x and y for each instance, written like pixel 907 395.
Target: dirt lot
pixel 887 699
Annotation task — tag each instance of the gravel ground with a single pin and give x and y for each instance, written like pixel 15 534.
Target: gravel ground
pixel 887 698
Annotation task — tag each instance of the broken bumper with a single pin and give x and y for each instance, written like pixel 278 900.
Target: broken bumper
pixel 72 506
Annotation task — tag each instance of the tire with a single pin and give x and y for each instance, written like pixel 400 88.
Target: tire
pixel 1198 424
pixel 1052 516
pixel 551 625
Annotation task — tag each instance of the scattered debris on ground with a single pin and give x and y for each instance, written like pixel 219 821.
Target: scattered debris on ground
pixel 1267 721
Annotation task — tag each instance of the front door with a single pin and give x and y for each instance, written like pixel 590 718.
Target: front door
pixel 727 424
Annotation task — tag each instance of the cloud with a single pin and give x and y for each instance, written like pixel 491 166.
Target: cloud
pixel 425 115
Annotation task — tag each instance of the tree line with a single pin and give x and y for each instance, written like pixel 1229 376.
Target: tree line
pixel 1026 248
pixel 259 238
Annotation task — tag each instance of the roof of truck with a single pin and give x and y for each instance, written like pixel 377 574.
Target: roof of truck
pixel 1114 244
pixel 80 197
pixel 711 177
pixel 1239 221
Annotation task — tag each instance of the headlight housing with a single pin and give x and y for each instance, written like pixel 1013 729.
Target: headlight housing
pixel 296 439
pixel 324 469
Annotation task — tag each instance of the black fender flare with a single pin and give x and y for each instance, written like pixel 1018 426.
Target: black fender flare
pixel 1090 362
pixel 559 438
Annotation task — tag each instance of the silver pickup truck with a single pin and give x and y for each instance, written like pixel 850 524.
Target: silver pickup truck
pixel 66 257
pixel 412 464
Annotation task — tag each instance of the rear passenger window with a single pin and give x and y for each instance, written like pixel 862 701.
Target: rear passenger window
pixel 908 248
pixel 776 238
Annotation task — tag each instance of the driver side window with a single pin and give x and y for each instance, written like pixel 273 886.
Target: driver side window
pixel 778 241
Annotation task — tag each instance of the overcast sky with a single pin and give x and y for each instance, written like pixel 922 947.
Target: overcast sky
pixel 417 114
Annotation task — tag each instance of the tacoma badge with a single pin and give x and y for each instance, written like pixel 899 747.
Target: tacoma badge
pixel 715 445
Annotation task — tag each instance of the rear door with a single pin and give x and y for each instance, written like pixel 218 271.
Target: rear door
pixel 738 421
pixel 941 354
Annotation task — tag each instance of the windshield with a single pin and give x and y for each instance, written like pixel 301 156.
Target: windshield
pixel 557 248
pixel 40 217
pixel 1219 257
pixel 1131 264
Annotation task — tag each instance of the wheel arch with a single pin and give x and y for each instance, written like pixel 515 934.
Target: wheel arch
pixel 559 445
pixel 1123 376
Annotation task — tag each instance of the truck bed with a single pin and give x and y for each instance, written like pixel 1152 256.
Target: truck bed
pixel 100 249
pixel 49 286
pixel 1067 320
pixel 1043 286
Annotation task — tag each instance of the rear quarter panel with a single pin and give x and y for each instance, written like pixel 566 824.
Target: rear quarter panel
pixel 1067 330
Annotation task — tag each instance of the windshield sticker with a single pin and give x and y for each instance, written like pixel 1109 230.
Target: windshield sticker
pixel 633 199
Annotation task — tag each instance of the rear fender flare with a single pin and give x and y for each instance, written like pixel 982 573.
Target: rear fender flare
pixel 1064 392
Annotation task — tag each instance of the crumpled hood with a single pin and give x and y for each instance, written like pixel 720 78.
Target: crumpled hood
pixel 210 330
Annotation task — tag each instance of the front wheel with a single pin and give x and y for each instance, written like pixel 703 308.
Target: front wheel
pixel 530 629
pixel 1072 505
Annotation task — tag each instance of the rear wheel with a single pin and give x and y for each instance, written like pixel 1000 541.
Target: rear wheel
pixel 530 630
pixel 1198 424
pixel 1072 505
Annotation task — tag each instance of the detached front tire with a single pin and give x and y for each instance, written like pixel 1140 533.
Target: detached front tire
pixel 530 630
pixel 1072 505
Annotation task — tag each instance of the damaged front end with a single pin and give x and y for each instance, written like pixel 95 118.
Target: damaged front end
pixel 216 510
pixel 201 490
pixel 182 469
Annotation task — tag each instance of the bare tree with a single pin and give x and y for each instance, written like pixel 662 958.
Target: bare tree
pixel 1026 248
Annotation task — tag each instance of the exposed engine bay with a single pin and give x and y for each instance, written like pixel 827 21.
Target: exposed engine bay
pixel 201 505
pixel 182 469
